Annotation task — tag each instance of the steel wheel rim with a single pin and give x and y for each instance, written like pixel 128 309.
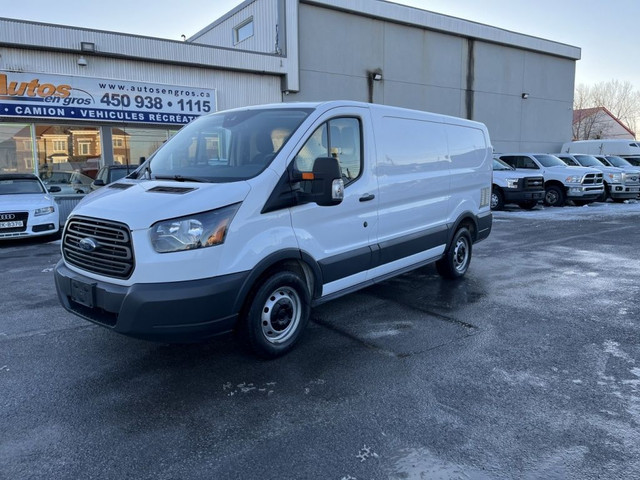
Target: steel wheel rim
pixel 494 200
pixel 281 315
pixel 461 255
pixel 551 197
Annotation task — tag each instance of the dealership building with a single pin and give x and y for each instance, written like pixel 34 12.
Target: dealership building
pixel 75 98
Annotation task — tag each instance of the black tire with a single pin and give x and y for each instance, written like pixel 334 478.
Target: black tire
pixel 605 194
pixel 276 314
pixel 554 196
pixel 455 262
pixel 497 199
pixel 528 205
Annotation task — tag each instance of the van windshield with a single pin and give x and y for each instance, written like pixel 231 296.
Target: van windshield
pixel 225 147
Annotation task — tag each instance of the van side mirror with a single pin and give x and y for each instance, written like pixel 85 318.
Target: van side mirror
pixel 98 182
pixel 323 186
pixel 327 186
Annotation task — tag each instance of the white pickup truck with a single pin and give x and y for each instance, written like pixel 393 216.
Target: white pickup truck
pixel 618 184
pixel 512 186
pixel 582 185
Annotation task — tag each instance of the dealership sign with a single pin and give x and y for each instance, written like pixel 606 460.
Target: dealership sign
pixel 42 96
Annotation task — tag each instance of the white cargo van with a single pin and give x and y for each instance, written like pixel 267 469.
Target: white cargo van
pixel 248 218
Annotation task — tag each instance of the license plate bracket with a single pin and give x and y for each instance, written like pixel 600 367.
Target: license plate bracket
pixel 83 293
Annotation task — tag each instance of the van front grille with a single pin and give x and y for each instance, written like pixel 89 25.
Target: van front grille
pixel 99 246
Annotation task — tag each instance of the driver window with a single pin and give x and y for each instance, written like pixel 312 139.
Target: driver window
pixel 339 138
pixel 313 149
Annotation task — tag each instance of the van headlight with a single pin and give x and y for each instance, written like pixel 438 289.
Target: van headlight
pixel 193 231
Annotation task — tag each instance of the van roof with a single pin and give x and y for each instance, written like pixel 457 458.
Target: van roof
pixel 330 104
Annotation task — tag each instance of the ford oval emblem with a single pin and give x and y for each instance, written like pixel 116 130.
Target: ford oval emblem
pixel 88 244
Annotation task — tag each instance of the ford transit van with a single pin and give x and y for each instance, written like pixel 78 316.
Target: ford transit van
pixel 247 218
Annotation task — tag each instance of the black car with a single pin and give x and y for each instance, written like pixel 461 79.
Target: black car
pixel 111 173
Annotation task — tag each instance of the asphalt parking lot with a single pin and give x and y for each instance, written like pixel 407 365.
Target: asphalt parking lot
pixel 528 368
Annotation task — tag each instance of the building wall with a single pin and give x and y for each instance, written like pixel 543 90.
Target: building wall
pixel 265 20
pixel 434 71
pixel 234 89
pixel 541 122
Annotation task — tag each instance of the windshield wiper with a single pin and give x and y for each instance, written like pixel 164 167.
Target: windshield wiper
pixel 180 178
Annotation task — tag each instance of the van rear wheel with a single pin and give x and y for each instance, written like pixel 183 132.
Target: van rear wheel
pixel 455 262
pixel 276 315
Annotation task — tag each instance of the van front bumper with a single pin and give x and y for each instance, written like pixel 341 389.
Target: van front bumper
pixel 165 312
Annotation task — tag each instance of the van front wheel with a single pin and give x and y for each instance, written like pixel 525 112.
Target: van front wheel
pixel 277 314
pixel 455 262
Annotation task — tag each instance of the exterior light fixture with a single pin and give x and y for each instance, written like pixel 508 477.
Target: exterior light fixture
pixel 377 76
pixel 88 47
pixel 82 62
pixel 525 96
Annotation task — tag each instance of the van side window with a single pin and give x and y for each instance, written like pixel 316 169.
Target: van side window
pixel 339 138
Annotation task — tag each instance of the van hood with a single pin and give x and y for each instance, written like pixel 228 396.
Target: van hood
pixel 141 203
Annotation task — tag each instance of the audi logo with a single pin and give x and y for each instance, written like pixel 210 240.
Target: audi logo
pixel 7 216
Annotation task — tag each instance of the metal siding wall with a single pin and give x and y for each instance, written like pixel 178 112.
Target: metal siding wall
pixel 45 37
pixel 428 70
pixel 234 89
pixel 265 19
pixel 540 123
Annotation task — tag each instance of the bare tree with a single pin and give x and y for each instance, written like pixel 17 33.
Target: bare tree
pixel 619 98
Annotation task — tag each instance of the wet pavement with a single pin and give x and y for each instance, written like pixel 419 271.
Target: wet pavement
pixel 528 368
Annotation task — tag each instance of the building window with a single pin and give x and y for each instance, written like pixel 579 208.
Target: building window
pixel 243 31
pixel 118 143
pixel 16 149
pixel 84 147
pixel 60 145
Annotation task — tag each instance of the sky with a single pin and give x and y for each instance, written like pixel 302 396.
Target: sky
pixel 605 31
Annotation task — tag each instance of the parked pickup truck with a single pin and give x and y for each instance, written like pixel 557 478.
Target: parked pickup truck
pixel 582 185
pixel 617 184
pixel 512 186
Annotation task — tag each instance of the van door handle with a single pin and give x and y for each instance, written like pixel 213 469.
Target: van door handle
pixel 367 197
